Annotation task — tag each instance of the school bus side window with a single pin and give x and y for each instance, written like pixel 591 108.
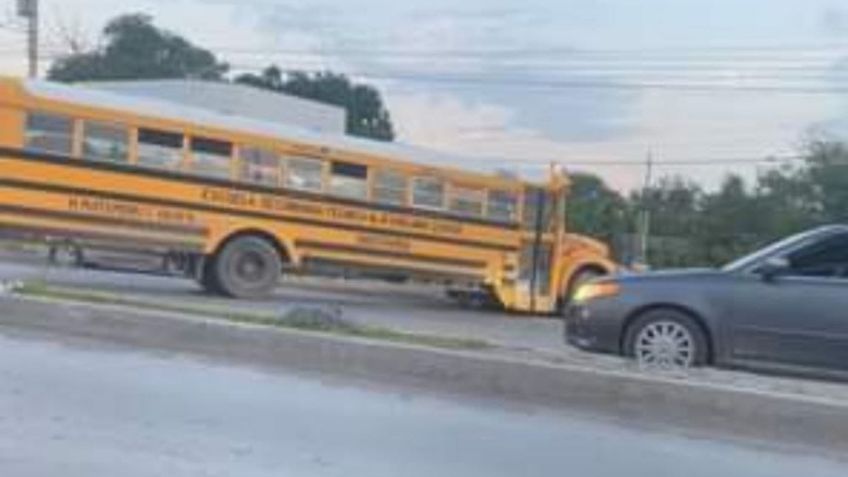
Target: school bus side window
pixel 211 157
pixel 349 180
pixel 105 142
pixel 51 133
pixel 389 188
pixel 428 192
pixel 159 149
pixel 503 206
pixel 467 201
pixel 260 166
pixel 305 174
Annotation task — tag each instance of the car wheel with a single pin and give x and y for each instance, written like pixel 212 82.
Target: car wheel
pixel 247 267
pixel 65 255
pixel 666 339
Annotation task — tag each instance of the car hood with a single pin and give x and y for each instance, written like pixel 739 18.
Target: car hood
pixel 675 276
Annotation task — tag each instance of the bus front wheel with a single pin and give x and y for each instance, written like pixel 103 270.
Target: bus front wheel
pixel 246 267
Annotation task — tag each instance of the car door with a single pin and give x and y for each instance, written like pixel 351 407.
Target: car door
pixel 800 316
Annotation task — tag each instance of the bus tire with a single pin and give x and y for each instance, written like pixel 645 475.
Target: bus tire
pixel 246 267
pixel 205 277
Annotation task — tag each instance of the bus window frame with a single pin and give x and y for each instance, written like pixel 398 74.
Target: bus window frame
pixel 291 159
pixel 182 152
pixel 332 185
pixel 444 193
pixel 456 190
pixel 517 201
pixel 405 192
pixel 72 136
pixel 83 128
pixel 207 142
pixel 280 169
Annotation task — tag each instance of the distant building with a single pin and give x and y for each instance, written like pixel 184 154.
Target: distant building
pixel 237 100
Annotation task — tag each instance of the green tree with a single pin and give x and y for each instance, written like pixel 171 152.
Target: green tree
pixel 731 222
pixel 787 202
pixel 367 116
pixel 674 208
pixel 134 48
pixel 827 176
pixel 595 210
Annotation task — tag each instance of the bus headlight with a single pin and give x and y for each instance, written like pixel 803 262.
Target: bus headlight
pixel 593 291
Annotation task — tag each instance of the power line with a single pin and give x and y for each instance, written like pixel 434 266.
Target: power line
pixel 523 52
pixel 609 68
pixel 531 55
pixel 693 84
pixel 616 73
pixel 554 84
pixel 758 70
pixel 781 159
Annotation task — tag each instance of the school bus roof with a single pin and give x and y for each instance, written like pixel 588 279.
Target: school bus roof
pixel 172 111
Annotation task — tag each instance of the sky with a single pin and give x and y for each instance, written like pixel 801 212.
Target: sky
pixel 703 87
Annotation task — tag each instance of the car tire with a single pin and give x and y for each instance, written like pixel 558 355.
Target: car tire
pixel 246 267
pixel 666 338
pixel 65 255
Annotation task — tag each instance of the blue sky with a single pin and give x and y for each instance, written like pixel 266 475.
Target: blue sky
pixel 506 81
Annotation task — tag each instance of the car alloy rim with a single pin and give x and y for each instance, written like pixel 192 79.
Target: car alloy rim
pixel 665 345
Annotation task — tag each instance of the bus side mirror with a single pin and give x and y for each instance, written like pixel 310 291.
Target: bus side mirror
pixel 773 267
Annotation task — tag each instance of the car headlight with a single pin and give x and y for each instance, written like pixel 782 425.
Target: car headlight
pixel 593 291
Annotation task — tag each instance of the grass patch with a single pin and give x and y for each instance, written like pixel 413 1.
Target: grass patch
pixel 14 245
pixel 298 318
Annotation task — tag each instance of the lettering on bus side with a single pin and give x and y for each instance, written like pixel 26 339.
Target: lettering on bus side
pixel 230 197
pixel 130 210
pixel 377 241
pixel 272 203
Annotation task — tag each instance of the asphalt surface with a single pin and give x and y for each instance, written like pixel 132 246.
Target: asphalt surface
pixel 413 308
pixel 79 409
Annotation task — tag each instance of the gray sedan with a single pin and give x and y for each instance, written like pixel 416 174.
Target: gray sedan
pixel 783 308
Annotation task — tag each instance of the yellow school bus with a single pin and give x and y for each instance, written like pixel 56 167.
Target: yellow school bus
pixel 239 202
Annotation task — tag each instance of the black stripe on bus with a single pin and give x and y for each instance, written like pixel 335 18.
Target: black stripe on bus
pixel 65 160
pixel 101 220
pixel 329 247
pixel 418 269
pixel 61 189
pixel 10 230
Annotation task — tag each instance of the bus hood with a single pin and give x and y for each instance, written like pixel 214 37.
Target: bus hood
pixel 582 242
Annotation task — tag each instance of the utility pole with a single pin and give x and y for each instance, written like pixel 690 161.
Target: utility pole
pixel 29 9
pixel 645 216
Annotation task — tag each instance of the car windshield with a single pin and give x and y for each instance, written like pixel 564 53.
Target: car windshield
pixel 757 256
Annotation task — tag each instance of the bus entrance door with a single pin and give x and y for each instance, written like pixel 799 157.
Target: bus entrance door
pixel 537 243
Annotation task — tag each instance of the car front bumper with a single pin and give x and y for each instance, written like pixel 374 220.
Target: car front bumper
pixel 596 325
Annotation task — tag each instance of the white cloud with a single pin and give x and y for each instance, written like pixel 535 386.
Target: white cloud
pixel 708 126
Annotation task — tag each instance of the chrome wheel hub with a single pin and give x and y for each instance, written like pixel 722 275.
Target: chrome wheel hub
pixel 665 345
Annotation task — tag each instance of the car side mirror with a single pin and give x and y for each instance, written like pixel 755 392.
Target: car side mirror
pixel 773 267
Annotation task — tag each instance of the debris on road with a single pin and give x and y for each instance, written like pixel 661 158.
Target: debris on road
pixel 10 287
pixel 315 317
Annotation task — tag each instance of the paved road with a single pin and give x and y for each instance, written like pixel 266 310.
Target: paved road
pixel 77 410
pixel 404 307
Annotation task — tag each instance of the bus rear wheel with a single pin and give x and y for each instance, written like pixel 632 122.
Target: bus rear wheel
pixel 246 267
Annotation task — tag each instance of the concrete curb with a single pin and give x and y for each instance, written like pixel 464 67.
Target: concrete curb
pixel 788 419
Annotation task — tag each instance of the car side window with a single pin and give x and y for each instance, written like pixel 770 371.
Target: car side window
pixel 824 258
